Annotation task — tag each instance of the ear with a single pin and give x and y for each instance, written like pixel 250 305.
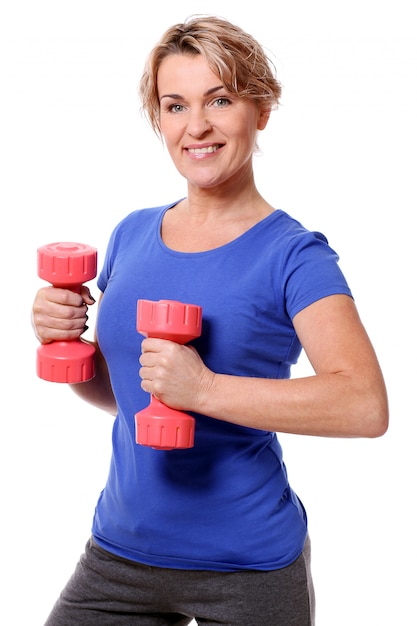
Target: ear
pixel 263 118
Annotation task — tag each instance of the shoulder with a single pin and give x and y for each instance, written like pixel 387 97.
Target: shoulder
pixel 289 226
pixel 137 220
pixel 146 214
pixel 283 234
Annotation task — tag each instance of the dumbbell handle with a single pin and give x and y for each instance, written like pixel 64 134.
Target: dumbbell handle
pixel 67 265
pixel 159 426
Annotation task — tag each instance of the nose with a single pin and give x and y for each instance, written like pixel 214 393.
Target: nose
pixel 198 122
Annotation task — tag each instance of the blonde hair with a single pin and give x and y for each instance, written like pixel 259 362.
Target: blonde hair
pixel 231 53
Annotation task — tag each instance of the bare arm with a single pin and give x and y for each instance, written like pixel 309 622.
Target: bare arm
pixel 345 398
pixel 61 315
pixel 98 391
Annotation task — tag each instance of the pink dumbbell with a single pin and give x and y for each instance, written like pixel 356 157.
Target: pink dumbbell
pixel 67 265
pixel 159 426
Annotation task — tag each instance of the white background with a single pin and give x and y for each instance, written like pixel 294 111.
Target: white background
pixel 340 155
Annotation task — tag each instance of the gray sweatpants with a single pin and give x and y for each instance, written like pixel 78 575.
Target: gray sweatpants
pixel 106 590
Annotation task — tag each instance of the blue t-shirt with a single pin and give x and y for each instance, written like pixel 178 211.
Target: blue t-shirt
pixel 225 504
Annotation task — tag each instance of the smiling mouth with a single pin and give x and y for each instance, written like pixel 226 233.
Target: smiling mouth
pixel 206 150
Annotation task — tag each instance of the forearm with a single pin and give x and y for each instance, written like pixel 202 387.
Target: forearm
pixel 98 391
pixel 327 405
pixel 345 398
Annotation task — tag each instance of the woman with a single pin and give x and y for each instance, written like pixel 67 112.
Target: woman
pixel 214 532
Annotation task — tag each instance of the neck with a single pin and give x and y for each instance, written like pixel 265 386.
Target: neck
pixel 226 201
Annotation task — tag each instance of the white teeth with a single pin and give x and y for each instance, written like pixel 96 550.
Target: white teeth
pixel 204 150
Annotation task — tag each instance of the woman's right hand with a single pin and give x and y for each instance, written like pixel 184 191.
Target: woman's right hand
pixel 60 314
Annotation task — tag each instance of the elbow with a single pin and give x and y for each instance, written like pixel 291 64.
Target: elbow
pixel 376 420
pixel 378 428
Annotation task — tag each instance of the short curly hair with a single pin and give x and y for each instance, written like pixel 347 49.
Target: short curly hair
pixel 231 53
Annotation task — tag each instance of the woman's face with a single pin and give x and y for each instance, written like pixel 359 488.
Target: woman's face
pixel 210 133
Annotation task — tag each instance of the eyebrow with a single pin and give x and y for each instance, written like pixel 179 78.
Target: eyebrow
pixel 177 96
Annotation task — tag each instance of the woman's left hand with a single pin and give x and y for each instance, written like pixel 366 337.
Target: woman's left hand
pixel 175 374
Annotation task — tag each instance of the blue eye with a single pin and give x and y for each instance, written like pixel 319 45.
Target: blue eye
pixel 176 108
pixel 221 102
